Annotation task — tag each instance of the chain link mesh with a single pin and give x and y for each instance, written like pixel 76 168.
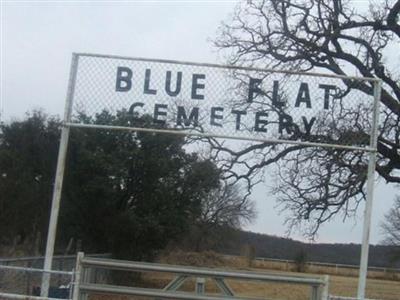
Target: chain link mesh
pixel 27 281
pixel 223 101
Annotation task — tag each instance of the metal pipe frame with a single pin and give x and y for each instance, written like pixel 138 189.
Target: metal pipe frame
pixel 67 125
pixel 221 136
pixel 78 272
pixel 123 265
pixel 362 281
pixel 220 66
pixel 34 270
pixel 319 285
pixel 34 258
pixel 58 183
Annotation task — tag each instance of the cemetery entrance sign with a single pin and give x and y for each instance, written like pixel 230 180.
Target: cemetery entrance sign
pixel 208 100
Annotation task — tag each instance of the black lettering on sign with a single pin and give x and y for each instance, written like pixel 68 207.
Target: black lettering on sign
pixel 160 111
pixel 193 117
pixel 261 122
pixel 308 124
pixel 327 88
pixel 275 95
pixel 285 123
pixel 147 89
pixel 124 79
pixel 216 116
pixel 303 95
pixel 239 114
pixel 196 85
pixel 254 89
pixel 178 84
pixel 133 106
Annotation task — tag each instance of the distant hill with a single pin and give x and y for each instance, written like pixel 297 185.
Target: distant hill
pixel 283 248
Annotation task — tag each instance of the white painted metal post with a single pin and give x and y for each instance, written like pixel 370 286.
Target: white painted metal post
pixel 325 289
pixel 55 205
pixel 200 286
pixel 78 272
pixel 314 292
pixel 362 280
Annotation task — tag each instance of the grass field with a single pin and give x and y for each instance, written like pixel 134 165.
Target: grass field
pixel 327 270
pixel 339 285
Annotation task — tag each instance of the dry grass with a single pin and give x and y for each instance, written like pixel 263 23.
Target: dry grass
pixel 325 270
pixel 339 285
pixel 205 259
pixel 376 288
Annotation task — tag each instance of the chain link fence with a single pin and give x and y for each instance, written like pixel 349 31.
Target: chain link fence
pixel 223 101
pixel 23 281
pixel 22 276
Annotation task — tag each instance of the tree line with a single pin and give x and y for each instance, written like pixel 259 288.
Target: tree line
pixel 128 193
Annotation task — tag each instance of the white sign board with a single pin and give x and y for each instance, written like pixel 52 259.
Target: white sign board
pixel 213 100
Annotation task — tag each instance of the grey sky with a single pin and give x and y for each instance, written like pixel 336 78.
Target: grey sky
pixel 37 39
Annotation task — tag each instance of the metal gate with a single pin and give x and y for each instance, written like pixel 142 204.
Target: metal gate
pixel 87 281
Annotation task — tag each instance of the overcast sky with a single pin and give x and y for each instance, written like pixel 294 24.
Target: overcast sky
pixel 37 39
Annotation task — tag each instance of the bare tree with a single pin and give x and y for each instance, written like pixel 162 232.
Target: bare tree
pixel 227 206
pixel 296 35
pixel 391 225
pixel 224 208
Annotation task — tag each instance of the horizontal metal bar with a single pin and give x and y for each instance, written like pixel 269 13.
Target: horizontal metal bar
pixel 55 257
pixel 197 272
pixel 325 264
pixel 121 290
pixel 344 266
pixel 32 258
pixel 322 264
pixel 273 259
pixel 331 297
pixel 4 267
pixel 220 66
pixel 199 134
pixel 24 297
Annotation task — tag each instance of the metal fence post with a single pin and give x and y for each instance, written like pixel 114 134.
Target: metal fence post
pixel 200 285
pixel 370 194
pixel 55 204
pixel 61 268
pixel 72 284
pixel 325 288
pixel 314 292
pixel 86 274
pixel 28 279
pixel 78 272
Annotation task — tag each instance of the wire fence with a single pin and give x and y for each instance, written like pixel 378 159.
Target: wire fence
pixel 22 281
pixel 18 281
pixel 335 266
pixel 222 101
pixel 21 277
pixel 324 267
